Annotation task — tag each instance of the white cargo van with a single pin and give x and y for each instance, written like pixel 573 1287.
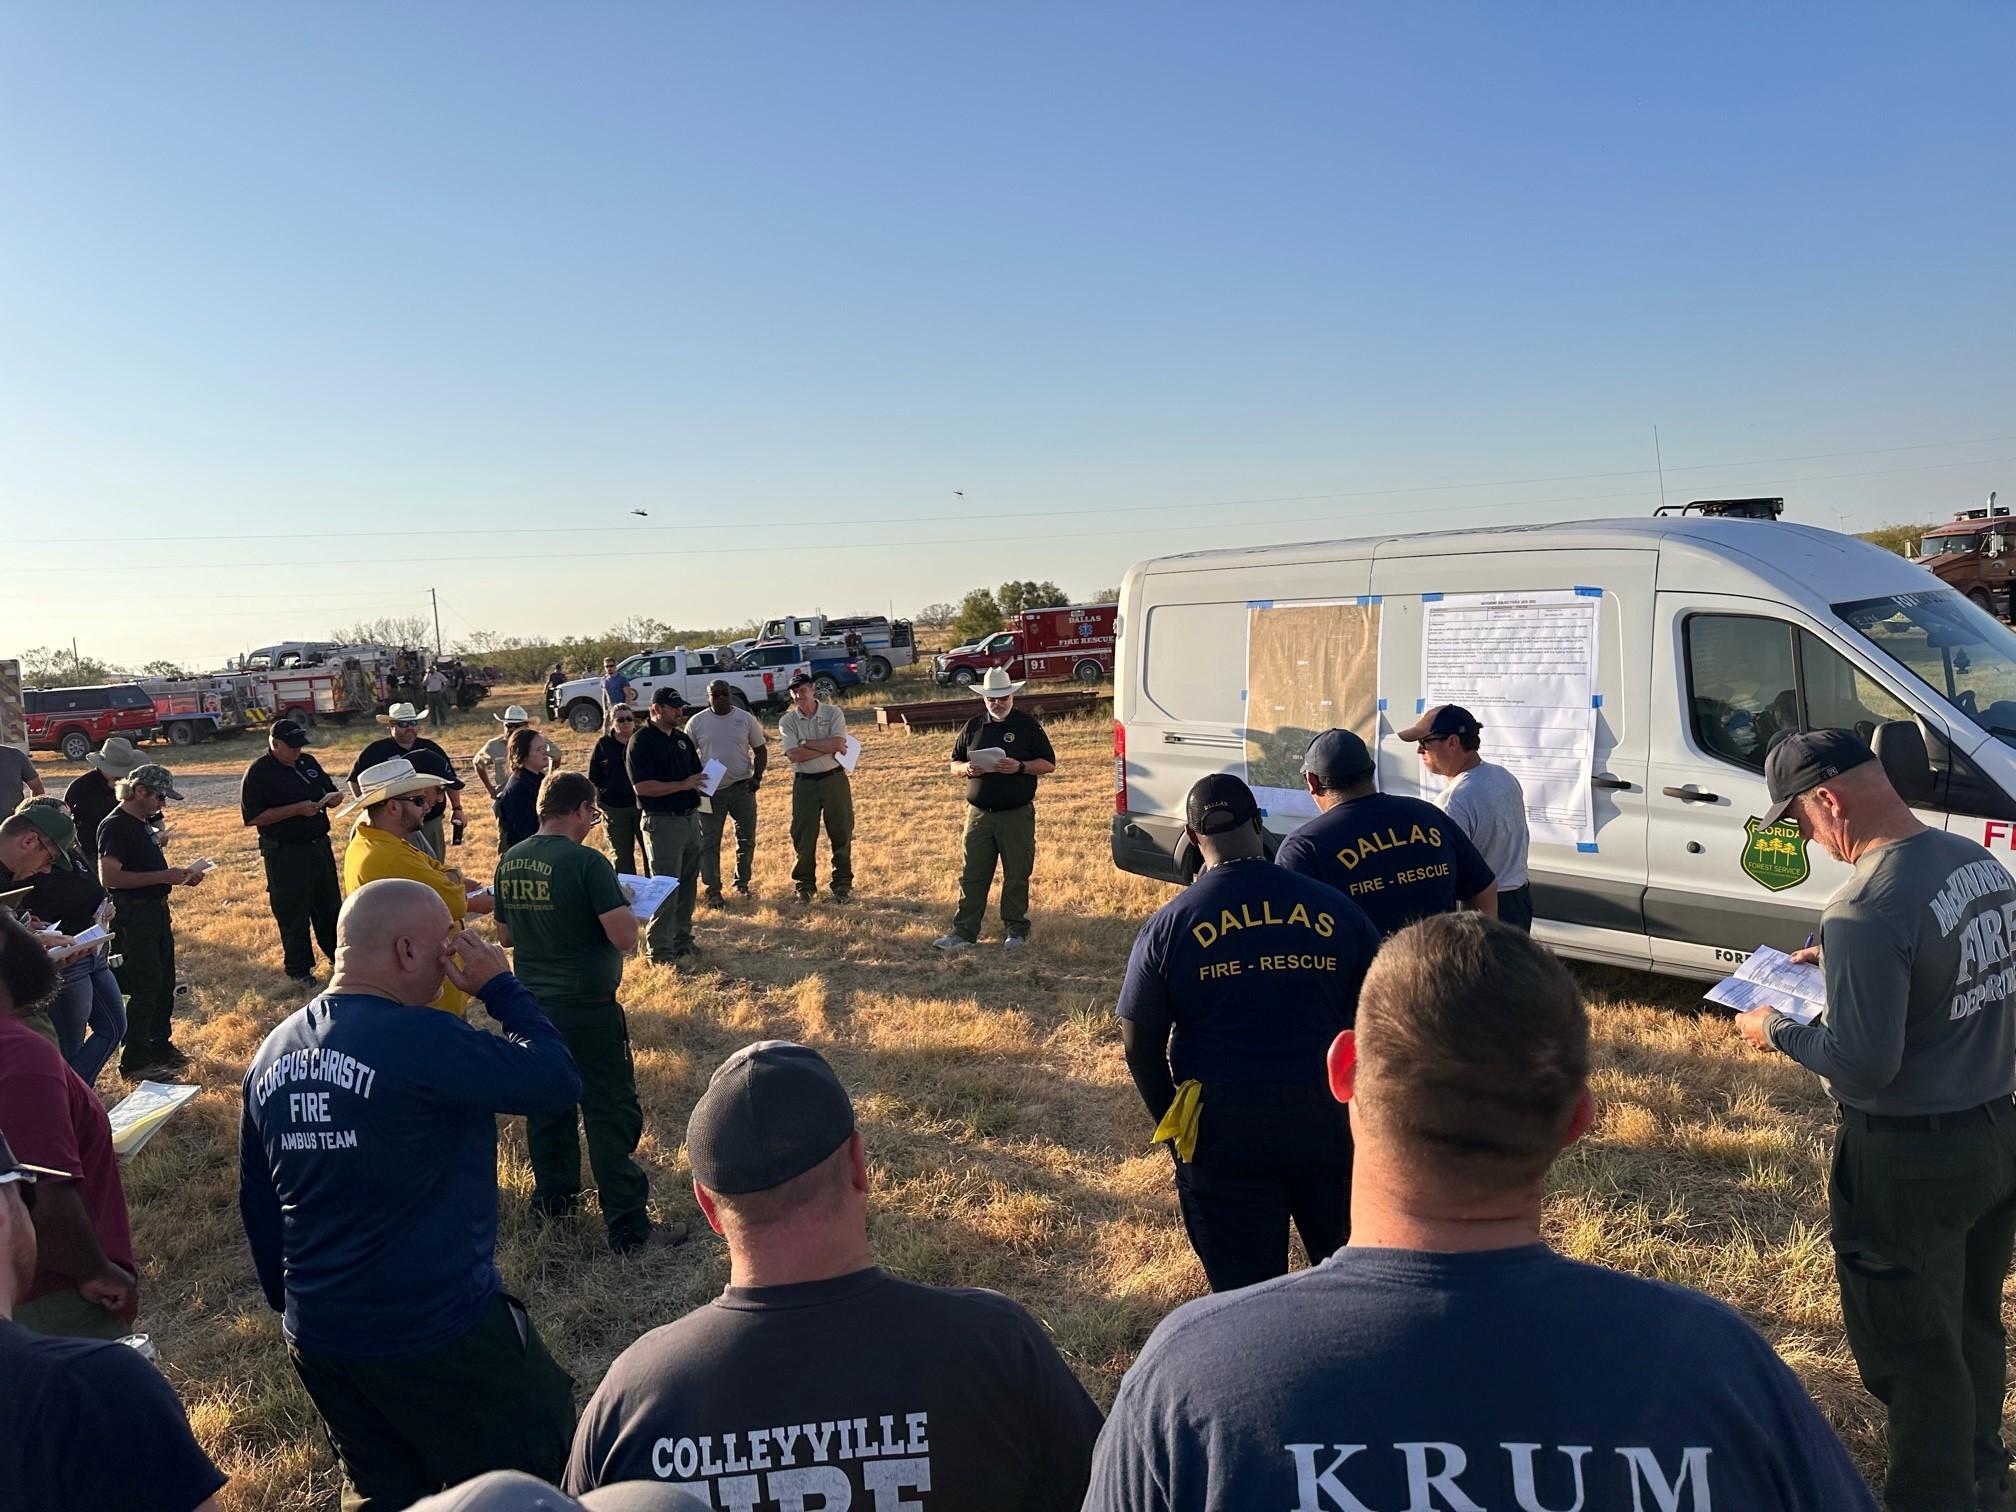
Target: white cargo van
pixel 1708 638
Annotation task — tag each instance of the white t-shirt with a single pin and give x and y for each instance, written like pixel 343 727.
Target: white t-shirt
pixel 1491 806
pixel 730 739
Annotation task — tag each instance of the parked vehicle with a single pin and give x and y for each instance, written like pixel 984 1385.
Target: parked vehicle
pixel 1075 641
pixel 76 721
pixel 834 670
pixel 1712 635
pixel 202 708
pixel 580 701
pixel 879 643
pixel 1972 556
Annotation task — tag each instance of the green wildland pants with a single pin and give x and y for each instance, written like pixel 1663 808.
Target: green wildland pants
pixel 599 1036
pixel 408 1427
pixel 438 709
pixel 1009 837
pixel 827 797
pixel 1923 1221
pixel 302 888
pixel 625 827
pixel 143 932
pixel 737 801
pixel 674 842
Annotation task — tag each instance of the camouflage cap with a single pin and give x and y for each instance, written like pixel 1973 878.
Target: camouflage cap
pixel 154 778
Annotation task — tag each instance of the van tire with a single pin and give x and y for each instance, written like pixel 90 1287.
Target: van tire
pixel 965 677
pixel 1088 671
pixel 878 669
pixel 75 745
pixel 584 716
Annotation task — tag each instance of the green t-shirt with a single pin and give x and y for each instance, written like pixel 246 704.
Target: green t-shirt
pixel 551 895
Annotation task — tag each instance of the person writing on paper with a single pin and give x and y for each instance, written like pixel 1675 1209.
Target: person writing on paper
pixel 1234 990
pixel 1423 1365
pixel 57 1396
pixel 88 1014
pixel 813 736
pixel 87 1284
pixel 286 796
pixel 1485 799
pixel 395 798
pixel 1917 1048
pixel 563 913
pixel 529 755
pixel 1001 752
pixel 734 737
pixel 138 876
pixel 367 1184
pixel 609 770
pixel 665 772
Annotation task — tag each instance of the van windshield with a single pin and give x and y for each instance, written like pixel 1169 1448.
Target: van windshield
pixel 1955 648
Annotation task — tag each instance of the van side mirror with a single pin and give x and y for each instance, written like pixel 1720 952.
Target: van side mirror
pixel 1900 746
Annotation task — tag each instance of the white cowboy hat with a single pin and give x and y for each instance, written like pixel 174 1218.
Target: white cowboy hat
pixel 402 713
pixel 388 779
pixel 514 715
pixel 117 757
pixel 996 684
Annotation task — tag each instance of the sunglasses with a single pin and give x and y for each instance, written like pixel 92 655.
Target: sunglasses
pixel 1422 745
pixel 626 719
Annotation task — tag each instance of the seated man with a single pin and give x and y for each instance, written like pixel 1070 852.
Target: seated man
pixel 59 1397
pixel 817 1379
pixel 1446 1357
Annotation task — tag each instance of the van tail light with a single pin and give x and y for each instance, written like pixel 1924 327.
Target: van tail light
pixel 1119 767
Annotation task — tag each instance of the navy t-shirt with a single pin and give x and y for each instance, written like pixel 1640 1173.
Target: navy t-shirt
pixel 1399 859
pixel 88 1423
pixel 368 1162
pixel 1254 968
pixel 1508 1378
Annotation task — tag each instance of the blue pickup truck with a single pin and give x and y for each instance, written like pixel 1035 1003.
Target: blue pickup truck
pixel 834 668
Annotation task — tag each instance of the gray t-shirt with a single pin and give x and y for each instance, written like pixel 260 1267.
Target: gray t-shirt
pixel 1919 951
pixel 825 722
pixel 16 767
pixel 1491 806
pixel 731 739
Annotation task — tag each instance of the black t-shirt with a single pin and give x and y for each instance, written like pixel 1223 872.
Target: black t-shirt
pixel 64 895
pixel 658 756
pixel 865 1390
pixel 1399 859
pixel 132 844
pixel 90 1423
pixel 517 809
pixel 609 770
pixel 428 759
pixel 271 783
pixel 1021 737
pixel 90 799
pixel 1254 969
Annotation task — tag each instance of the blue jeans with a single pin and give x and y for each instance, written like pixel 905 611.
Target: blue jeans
pixel 89 998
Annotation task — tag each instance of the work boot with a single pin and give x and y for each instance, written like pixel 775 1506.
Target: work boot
pixel 711 898
pixel 664 1235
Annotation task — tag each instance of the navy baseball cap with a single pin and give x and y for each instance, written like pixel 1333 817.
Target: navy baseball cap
pixel 1219 803
pixel 800 678
pixel 289 732
pixel 771 1111
pixel 1336 758
pixel 1441 721
pixel 1799 763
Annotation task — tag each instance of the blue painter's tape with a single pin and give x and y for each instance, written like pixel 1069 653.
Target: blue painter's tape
pixel 1242 695
pixel 1259 603
pixel 1595 700
pixel 1263 813
pixel 1587 847
pixel 1420 704
pixel 1590 592
pixel 1370 598
pixel 1431 598
pixel 1382 705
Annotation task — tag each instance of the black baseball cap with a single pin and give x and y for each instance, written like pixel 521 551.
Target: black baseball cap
pixel 1219 803
pixel 1799 763
pixel 669 697
pixel 1336 758
pixel 1441 721
pixel 289 732
pixel 771 1111
pixel 800 678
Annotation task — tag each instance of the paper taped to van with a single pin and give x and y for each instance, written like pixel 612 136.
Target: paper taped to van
pixel 1310 667
pixel 1770 979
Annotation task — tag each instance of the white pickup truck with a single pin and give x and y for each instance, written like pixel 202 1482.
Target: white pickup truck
pixel 583 705
pixel 879 643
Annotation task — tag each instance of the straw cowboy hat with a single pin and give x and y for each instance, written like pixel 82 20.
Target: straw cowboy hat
pixel 514 715
pixel 402 713
pixel 996 684
pixel 116 758
pixel 388 779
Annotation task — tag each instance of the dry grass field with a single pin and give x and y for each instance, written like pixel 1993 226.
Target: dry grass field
pixel 1008 1147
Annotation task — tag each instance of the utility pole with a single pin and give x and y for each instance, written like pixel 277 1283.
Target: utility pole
pixel 435 598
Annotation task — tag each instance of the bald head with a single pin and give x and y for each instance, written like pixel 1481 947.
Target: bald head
pixel 389 940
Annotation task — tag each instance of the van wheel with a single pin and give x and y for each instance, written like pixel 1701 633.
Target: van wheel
pixel 584 716
pixel 965 677
pixel 75 746
pixel 181 733
pixel 1088 671
pixel 878 669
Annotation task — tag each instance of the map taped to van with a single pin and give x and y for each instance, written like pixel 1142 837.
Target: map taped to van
pixel 1310 667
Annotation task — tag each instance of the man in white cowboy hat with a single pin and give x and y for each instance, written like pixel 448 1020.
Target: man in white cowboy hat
pixel 394 796
pixel 406 741
pixel 286 796
pixel 1000 753
pixel 492 760
pixel 90 798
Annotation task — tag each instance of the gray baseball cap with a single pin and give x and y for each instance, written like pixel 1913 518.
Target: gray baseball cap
pixel 1337 758
pixel 156 779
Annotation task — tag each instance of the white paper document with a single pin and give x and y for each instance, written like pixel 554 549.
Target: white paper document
pixel 851 757
pixel 711 775
pixel 1525 665
pixel 83 940
pixel 139 1117
pixel 1769 979
pixel 987 759
pixel 201 865
pixel 646 894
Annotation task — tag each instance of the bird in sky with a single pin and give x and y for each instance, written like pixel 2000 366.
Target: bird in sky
pixel 959 493
pixel 642 514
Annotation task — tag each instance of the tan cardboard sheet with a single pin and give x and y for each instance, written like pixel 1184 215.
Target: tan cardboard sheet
pixel 1309 667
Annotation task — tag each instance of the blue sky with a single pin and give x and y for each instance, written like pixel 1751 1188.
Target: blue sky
pixel 305 309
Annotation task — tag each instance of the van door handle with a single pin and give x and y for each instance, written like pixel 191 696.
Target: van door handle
pixel 1690 794
pixel 1605 780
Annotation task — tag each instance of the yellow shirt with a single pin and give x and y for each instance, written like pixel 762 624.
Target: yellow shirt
pixel 374 854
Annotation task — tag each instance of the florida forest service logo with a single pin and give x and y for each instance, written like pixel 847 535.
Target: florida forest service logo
pixel 1773 855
